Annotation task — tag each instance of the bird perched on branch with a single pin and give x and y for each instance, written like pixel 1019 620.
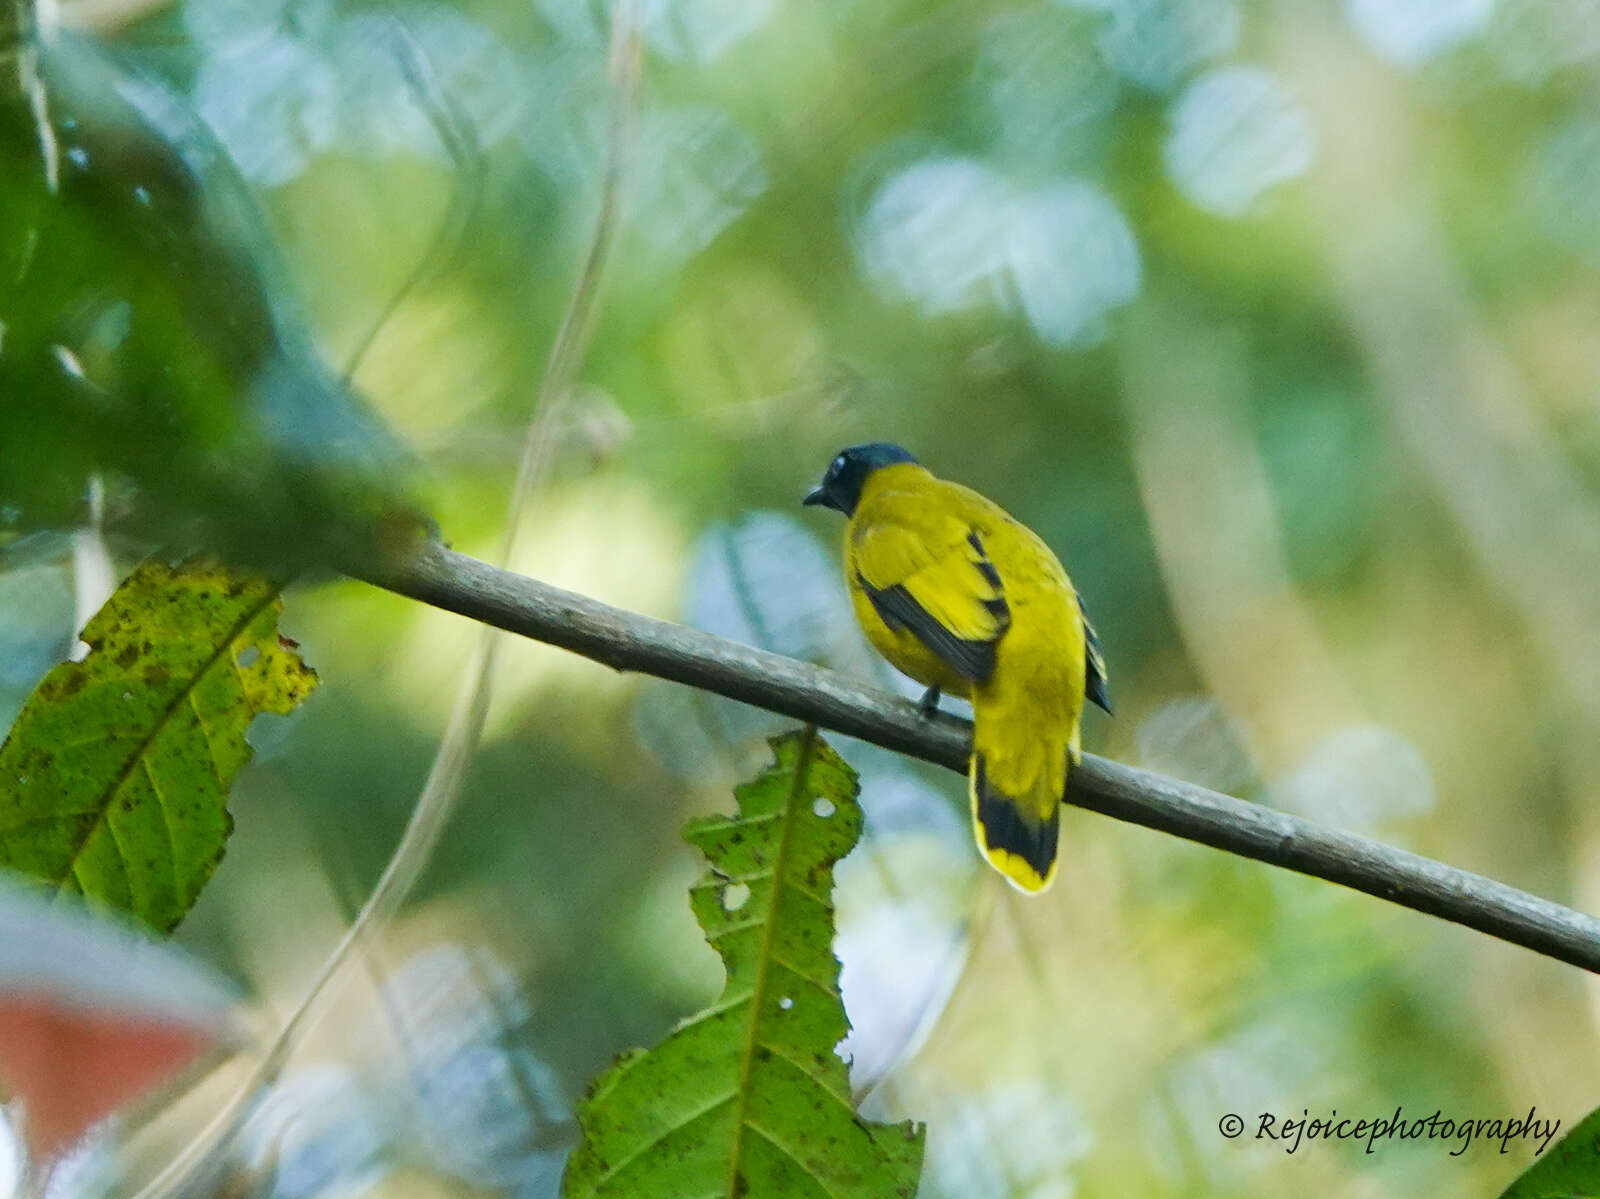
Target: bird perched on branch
pixel 963 598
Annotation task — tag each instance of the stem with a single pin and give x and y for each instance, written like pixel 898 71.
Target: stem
pixel 628 641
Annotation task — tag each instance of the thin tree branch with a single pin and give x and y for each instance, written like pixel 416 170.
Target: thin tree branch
pixel 442 787
pixel 628 641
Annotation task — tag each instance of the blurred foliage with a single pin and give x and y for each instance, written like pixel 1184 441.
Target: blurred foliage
pixel 747 1096
pixel 114 779
pixel 148 336
pixel 99 992
pixel 1277 320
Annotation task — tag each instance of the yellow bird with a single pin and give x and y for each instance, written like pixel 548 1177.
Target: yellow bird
pixel 964 598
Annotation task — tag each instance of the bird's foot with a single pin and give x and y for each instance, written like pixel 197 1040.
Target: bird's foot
pixel 929 703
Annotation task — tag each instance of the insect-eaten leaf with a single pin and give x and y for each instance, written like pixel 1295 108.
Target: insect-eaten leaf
pixel 1569 1169
pixel 114 780
pixel 749 1098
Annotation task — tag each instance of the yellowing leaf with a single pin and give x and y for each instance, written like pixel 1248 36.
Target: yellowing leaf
pixel 748 1098
pixel 114 780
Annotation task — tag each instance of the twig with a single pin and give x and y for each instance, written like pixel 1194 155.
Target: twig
pixel 460 142
pixel 442 787
pixel 628 641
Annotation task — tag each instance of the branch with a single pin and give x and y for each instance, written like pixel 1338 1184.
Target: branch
pixel 628 641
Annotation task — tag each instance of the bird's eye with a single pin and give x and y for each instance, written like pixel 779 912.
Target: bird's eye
pixel 838 465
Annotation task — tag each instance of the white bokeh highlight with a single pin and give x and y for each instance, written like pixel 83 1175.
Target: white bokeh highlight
pixel 1410 32
pixel 1156 44
pixel 1193 737
pixel 1074 260
pixel 697 172
pixel 11 1158
pixel 1014 1140
pixel 1234 135
pixel 1044 86
pixel 935 233
pixel 765 580
pixel 382 109
pixel 320 1133
pixel 950 234
pixel 1359 778
pixel 282 87
pixel 273 103
pixel 218 23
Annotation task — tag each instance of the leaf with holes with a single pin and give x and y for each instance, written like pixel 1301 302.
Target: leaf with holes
pixel 114 780
pixel 748 1097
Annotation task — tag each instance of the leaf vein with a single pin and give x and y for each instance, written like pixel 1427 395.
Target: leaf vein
pixel 808 1070
pixel 166 821
pixel 736 927
pixel 711 824
pixel 795 885
pixel 801 765
pixel 223 645
pixel 825 987
pixel 617 1167
pixel 772 1139
pixel 211 747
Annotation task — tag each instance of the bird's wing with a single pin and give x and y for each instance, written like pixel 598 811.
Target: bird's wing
pixel 936 580
pixel 1094 679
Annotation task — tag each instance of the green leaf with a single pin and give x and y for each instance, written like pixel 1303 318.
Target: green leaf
pixel 114 780
pixel 1569 1169
pixel 748 1097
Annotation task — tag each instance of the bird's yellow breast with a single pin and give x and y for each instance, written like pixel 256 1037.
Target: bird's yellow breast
pixel 1040 657
pixel 902 649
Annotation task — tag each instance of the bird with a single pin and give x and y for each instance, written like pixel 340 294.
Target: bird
pixel 965 599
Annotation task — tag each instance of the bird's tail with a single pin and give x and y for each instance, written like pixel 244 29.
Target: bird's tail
pixel 1016 792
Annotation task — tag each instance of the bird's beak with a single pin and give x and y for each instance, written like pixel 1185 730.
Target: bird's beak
pixel 816 496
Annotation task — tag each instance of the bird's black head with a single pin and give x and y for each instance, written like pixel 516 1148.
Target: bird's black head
pixel 840 488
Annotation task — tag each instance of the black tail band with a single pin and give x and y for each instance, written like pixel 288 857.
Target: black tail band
pixel 1006 826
